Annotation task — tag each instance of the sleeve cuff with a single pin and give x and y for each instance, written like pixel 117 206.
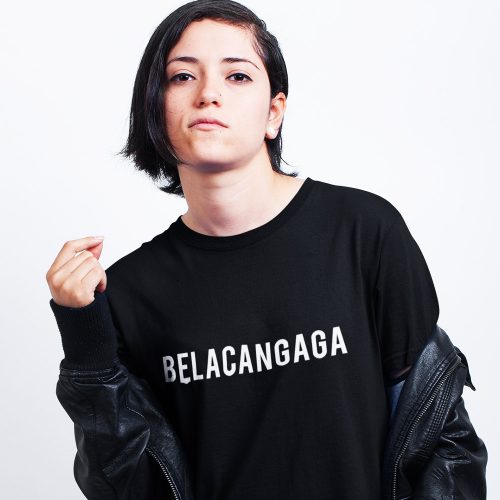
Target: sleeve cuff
pixel 88 334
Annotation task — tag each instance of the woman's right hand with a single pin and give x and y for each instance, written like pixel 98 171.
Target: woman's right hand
pixel 76 272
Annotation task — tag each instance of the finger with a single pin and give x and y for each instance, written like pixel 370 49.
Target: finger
pixel 79 266
pixel 69 273
pixel 83 290
pixel 95 280
pixel 97 250
pixel 69 249
pixel 85 277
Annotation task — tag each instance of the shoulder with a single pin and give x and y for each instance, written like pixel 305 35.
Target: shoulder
pixel 135 268
pixel 363 208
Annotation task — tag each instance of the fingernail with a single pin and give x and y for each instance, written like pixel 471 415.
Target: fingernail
pixel 98 237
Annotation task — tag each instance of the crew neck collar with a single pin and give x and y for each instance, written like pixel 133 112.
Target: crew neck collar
pixel 194 238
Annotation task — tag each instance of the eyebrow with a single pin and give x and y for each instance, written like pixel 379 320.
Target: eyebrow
pixel 190 59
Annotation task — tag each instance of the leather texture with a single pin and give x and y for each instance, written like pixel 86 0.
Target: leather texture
pixel 128 450
pixel 432 450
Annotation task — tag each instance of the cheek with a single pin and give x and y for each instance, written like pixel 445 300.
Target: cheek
pixel 173 111
pixel 248 120
pixel 252 116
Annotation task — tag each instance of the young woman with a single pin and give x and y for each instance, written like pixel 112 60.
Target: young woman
pixel 269 317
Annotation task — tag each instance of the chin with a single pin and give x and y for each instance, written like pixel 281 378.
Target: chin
pixel 212 154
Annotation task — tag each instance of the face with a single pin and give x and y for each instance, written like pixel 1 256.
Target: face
pixel 235 93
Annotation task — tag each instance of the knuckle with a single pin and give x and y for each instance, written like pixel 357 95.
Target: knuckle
pixel 78 294
pixel 84 254
pixel 65 287
pixel 54 280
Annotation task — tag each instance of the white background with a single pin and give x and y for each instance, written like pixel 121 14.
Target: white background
pixel 397 98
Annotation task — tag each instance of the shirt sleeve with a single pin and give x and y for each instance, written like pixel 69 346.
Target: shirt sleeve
pixel 87 334
pixel 120 305
pixel 406 303
pixel 90 335
pixel 123 351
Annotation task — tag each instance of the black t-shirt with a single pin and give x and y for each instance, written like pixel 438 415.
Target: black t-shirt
pixel 269 349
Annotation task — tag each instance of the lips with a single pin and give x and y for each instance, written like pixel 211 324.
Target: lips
pixel 207 120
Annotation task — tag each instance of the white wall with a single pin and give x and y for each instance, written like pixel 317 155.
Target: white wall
pixel 397 98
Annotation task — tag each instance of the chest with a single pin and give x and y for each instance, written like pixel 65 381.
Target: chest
pixel 289 304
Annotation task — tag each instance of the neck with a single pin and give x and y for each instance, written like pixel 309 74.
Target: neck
pixel 234 201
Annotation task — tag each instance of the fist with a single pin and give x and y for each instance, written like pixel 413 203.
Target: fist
pixel 76 272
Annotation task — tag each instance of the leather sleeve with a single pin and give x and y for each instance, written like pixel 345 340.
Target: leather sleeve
pixel 112 409
pixel 457 466
pixel 111 435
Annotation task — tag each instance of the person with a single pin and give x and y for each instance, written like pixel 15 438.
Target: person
pixel 269 318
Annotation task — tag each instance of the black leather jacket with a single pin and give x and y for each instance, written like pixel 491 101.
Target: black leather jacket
pixel 126 448
pixel 432 450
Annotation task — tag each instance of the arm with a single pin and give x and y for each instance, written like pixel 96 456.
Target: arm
pixel 457 466
pixel 394 387
pixel 94 389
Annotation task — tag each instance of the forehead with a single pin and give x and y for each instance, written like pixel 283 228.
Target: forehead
pixel 208 39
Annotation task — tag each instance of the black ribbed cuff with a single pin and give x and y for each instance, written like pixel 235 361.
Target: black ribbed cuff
pixel 88 334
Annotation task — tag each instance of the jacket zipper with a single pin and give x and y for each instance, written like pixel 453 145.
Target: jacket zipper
pixel 165 471
pixel 424 409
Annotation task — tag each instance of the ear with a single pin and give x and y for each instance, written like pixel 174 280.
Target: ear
pixel 276 113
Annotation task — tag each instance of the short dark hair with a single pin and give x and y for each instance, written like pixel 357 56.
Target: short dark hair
pixel 148 144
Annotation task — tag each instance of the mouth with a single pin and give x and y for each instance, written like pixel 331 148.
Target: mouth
pixel 207 126
pixel 207 121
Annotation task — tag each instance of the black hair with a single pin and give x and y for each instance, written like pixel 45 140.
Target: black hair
pixel 148 144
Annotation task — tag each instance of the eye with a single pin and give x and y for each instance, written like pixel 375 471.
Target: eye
pixel 241 74
pixel 175 78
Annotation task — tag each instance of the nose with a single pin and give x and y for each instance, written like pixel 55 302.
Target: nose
pixel 207 96
pixel 208 90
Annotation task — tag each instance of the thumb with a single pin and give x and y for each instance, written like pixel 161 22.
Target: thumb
pixel 96 249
